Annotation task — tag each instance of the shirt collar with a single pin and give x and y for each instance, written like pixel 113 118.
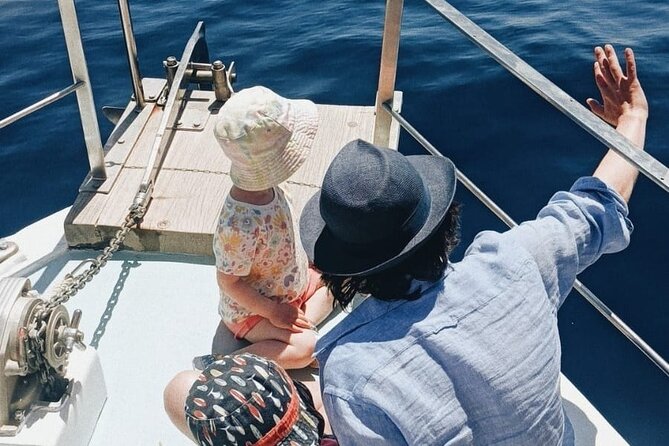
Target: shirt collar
pixel 368 311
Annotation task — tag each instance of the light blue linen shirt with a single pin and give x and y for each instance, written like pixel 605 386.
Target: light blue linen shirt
pixel 476 359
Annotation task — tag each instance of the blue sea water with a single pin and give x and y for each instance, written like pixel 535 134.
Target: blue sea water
pixel 508 140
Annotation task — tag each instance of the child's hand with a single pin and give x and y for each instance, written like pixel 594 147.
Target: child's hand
pixel 289 317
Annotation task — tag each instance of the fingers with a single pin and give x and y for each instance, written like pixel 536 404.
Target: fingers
pixel 300 321
pixel 610 67
pixel 606 89
pixel 612 59
pixel 599 76
pixel 309 323
pixel 631 64
pixel 293 319
pixel 595 107
pixel 604 68
pixel 303 323
pixel 300 325
pixel 605 85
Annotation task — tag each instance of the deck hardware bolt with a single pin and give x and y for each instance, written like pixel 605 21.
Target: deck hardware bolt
pixel 70 336
pixel 121 141
pixel 152 96
pixel 179 123
pixel 219 75
pixel 162 224
pixel 352 124
pixel 196 124
pixel 3 244
pixel 171 65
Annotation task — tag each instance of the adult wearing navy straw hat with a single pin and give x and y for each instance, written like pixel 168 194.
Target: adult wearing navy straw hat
pixel 375 208
pixel 468 352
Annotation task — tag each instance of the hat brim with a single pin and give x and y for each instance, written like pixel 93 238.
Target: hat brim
pixel 304 432
pixel 290 159
pixel 330 255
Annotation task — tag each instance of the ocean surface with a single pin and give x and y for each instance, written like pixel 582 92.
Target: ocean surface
pixel 503 136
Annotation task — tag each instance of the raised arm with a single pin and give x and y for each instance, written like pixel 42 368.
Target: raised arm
pixel 624 106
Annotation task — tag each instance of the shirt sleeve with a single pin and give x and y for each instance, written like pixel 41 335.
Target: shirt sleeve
pixel 235 244
pixel 570 233
pixel 355 424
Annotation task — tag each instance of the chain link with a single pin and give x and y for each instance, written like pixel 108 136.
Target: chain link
pixel 34 342
pixel 74 282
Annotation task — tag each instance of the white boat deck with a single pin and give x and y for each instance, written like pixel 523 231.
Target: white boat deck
pixel 150 314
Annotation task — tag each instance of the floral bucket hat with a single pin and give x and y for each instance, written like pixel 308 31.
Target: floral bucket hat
pixel 266 136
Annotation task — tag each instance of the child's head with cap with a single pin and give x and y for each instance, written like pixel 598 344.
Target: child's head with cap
pixel 248 400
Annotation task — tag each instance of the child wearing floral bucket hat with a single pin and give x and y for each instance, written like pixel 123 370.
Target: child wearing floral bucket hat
pixel 269 295
pixel 245 400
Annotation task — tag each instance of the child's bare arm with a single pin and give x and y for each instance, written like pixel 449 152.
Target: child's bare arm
pixel 280 315
pixel 244 294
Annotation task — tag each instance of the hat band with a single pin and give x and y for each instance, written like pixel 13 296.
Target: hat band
pixel 285 426
pixel 395 242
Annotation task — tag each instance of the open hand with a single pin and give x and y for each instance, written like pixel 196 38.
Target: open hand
pixel 289 317
pixel 621 92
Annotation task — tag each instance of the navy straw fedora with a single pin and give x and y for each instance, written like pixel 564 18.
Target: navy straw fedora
pixel 376 206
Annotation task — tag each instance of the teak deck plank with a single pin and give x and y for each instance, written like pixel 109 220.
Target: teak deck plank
pixel 194 179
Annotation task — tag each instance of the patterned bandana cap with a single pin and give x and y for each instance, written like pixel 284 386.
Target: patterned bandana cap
pixel 266 136
pixel 246 400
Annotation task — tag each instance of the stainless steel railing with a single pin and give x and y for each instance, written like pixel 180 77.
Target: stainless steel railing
pixel 81 86
pixel 40 104
pixel 646 164
pixel 131 49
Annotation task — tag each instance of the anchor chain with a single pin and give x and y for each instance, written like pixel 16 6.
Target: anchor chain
pixel 74 282
pixel 35 334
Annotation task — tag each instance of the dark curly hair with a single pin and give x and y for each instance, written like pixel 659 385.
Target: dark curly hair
pixel 427 263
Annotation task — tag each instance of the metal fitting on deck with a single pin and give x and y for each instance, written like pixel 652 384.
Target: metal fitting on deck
pixel 171 65
pixel 7 249
pixel 216 74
